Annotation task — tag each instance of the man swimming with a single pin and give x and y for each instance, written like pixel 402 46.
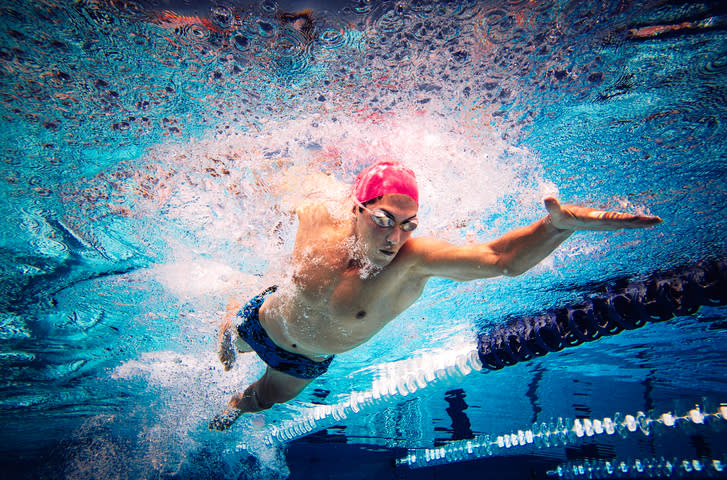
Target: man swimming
pixel 354 273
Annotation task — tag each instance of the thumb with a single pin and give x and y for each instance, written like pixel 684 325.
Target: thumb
pixel 551 204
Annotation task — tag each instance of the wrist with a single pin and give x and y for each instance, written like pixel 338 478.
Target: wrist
pixel 548 221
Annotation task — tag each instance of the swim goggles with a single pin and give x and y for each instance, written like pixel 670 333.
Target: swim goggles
pixel 384 219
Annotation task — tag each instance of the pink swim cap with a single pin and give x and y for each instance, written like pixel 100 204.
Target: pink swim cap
pixel 383 178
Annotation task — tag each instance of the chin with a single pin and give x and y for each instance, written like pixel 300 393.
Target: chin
pixel 383 260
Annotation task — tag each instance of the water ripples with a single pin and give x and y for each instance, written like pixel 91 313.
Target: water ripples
pixel 13 327
pixel 712 73
pixel 192 33
pixel 465 10
pixel 269 6
pixel 41 235
pixel 360 6
pixel 101 19
pixel 104 78
pixel 289 43
pixel 391 22
pixel 331 39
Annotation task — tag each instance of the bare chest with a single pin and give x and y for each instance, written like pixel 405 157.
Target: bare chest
pixel 339 298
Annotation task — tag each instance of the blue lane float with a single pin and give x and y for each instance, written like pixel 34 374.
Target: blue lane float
pixel 619 308
pixel 656 299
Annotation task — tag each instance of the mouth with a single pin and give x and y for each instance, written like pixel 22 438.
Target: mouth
pixel 388 253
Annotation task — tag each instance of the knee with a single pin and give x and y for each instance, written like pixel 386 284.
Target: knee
pixel 255 401
pixel 265 398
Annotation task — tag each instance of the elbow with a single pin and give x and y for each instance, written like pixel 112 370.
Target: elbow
pixel 512 265
pixel 509 268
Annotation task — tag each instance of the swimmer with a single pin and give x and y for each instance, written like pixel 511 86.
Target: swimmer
pixel 342 296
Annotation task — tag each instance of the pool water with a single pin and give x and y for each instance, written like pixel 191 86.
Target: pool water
pixel 152 151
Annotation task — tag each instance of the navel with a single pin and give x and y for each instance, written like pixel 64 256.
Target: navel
pixel 360 314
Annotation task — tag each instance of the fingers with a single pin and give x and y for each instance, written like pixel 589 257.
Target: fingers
pixel 625 220
pixel 637 221
pixel 573 217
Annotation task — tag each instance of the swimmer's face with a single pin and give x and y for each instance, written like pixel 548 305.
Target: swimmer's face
pixel 384 226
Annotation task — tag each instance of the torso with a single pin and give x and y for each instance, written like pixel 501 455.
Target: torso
pixel 329 308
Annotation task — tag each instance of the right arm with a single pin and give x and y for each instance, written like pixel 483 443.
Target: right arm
pixel 516 252
pixel 512 254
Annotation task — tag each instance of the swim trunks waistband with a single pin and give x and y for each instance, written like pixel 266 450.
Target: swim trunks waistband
pixel 252 332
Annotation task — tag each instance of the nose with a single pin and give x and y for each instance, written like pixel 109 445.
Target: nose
pixel 394 237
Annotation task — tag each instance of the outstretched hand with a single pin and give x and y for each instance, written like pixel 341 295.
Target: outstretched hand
pixel 573 217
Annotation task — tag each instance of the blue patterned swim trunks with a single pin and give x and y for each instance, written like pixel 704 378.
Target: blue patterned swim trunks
pixel 252 332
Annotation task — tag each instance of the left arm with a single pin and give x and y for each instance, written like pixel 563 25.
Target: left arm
pixel 521 249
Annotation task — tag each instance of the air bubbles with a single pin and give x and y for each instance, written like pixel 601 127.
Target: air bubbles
pixel 222 17
pixel 241 42
pixel 265 29
pixel 288 66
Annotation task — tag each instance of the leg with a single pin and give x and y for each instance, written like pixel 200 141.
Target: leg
pixel 273 387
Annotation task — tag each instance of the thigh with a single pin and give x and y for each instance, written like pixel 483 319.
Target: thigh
pixel 279 387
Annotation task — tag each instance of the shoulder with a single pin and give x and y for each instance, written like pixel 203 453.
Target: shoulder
pixel 307 208
pixel 311 209
pixel 317 213
pixel 419 252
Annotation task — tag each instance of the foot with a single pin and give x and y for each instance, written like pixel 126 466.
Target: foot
pixel 224 420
